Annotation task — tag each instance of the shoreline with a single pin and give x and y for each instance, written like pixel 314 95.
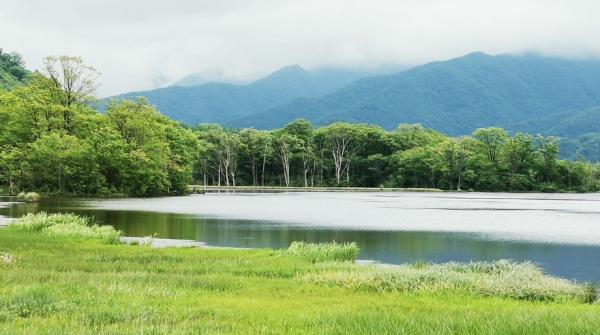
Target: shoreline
pixel 266 189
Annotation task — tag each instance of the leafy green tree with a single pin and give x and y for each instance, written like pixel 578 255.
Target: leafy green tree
pixel 345 141
pixel 183 153
pixel 143 130
pixel 255 148
pixel 72 83
pixel 12 69
pixel 286 145
pixel 491 141
pixel 303 131
pixel 65 163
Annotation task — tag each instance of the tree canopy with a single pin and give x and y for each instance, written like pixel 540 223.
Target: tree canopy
pixel 52 141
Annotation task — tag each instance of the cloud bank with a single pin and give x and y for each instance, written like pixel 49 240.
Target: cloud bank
pixel 139 45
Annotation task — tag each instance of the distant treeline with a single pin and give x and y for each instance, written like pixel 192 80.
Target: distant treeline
pixel 52 141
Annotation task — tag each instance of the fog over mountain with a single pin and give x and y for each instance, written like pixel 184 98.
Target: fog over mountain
pixel 139 45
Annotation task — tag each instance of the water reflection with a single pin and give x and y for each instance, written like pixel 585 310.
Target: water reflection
pixel 570 261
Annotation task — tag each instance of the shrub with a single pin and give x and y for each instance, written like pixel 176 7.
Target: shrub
pixel 65 225
pixel 21 197
pixel 323 252
pixel 32 197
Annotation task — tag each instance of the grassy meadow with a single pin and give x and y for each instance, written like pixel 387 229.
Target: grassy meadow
pixel 76 279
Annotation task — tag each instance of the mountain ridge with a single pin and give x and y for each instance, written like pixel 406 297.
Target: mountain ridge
pixel 215 102
pixel 453 96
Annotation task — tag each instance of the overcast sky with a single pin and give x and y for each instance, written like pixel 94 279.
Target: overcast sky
pixel 143 44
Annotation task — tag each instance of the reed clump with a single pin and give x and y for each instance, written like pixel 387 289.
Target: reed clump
pixel 503 278
pixel 324 252
pixel 66 225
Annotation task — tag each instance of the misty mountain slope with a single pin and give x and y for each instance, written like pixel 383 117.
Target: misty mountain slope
pixel 454 96
pixel 221 103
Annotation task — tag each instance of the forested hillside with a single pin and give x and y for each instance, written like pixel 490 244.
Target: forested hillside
pixel 521 93
pixel 456 96
pixel 221 103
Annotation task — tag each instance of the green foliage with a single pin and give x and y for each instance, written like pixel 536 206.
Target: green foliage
pixel 52 141
pixel 12 69
pixel 65 225
pixel 87 287
pixel 411 156
pixel 324 252
pixel 31 197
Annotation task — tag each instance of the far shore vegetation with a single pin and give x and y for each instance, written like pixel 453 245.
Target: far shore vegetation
pixel 61 273
pixel 54 141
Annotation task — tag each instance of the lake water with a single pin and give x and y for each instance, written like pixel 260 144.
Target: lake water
pixel 559 232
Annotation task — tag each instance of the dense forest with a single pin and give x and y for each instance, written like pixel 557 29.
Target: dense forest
pixel 52 141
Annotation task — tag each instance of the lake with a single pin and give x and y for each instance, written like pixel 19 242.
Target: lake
pixel 559 232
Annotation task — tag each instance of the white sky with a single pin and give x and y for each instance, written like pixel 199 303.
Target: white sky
pixel 143 44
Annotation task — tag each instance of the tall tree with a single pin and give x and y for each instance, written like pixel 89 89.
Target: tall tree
pixel 303 131
pixel 72 83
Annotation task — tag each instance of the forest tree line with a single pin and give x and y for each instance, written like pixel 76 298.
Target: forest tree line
pixel 52 140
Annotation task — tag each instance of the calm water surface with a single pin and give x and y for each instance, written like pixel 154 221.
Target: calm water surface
pixel 561 233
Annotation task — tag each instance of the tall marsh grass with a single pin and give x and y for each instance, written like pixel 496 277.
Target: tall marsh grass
pixel 324 252
pixel 66 225
pixel 523 281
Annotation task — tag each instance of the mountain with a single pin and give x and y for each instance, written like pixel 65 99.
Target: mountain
pixel 201 78
pixel 221 103
pixel 518 92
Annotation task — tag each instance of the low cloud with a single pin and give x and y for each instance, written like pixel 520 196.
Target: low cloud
pixel 144 44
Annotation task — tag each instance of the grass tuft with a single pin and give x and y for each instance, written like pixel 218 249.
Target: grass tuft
pixel 33 302
pixel 324 252
pixel 522 281
pixel 66 225
pixel 591 293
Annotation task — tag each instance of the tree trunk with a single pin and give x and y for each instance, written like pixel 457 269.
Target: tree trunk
pixel 219 176
pixel 262 177
pixel 254 177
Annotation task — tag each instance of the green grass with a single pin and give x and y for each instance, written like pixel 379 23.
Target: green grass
pixel 324 252
pixel 523 281
pixel 65 225
pixel 69 285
